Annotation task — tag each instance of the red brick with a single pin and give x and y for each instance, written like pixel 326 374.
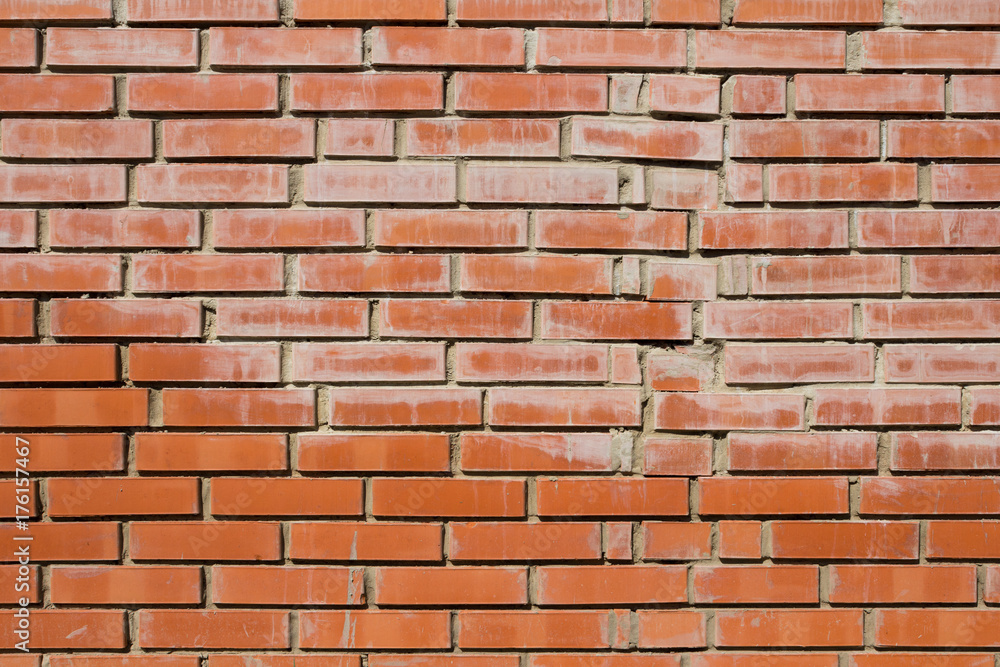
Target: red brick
pixel 954 139
pixel 373 406
pixel 804 139
pixel 929 495
pixel 632 230
pixel 931 319
pixel 374 629
pixel 531 93
pixel 553 275
pixel 368 362
pixel 564 407
pixel 769 49
pixel 975 94
pixel 506 11
pixel 936 12
pixel 66 10
pixel 73 139
pixel 843 183
pixel 763 320
pixel 374 273
pixel 380 452
pixel 370 10
pixel 60 273
pixel 607 49
pixel 205 541
pixel 24 183
pixel 955 274
pixel 504 362
pixel 314 318
pixel 430 229
pixel 910 659
pixel 610 585
pixel 18 229
pixel 203 11
pixel 942 363
pixel 774 230
pixel 73 408
pixel 754 585
pixel 686 371
pixel 727 412
pixel 616 321
pixel 213 629
pixel 124 228
pixel 251 496
pixel 121 585
pixel 970 540
pixel 367 92
pixel 382 541
pixel 929 50
pixel 754 496
pixel 70 630
pixel 684 189
pixel 205 363
pixel 369 137
pixel 496 137
pixel 835 12
pixel 89 497
pixel 200 93
pixel 963 183
pixel 267 228
pixel 870 274
pixel 68 541
pixel 217 452
pixel 758 95
pixel 926 229
pixel 427 183
pixel 517 542
pixel 541 184
pixel 730 659
pixel 928 628
pixel 985 406
pixel 239 407
pixel 71 452
pixel 212 183
pixel 869 93
pixel 56 93
pixel 686 11
pixel 839 540
pixel 428 318
pixel 802 451
pixel 528 452
pixel 677 541
pixel 600 660
pixel 533 630
pixel 239 138
pixel 682 281
pixel 453 586
pixel 280 47
pixel 664 140
pixel 676 456
pixel 397 45
pixel 135 48
pixel 744 183
pixel 624 496
pixel 902 584
pixel 790 628
pixel 431 497
pixel 945 451
pixel 683 94
pixel 208 273
pixel 261 585
pixel 20 583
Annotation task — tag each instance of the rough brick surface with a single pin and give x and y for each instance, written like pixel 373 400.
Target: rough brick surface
pixel 500 333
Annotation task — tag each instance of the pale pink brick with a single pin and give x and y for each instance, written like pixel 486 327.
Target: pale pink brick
pixel 375 137
pixel 684 189
pixel 744 183
pixel 430 183
pixel 548 184
pixel 758 95
pixel 18 229
pixel 682 281
pixel 684 94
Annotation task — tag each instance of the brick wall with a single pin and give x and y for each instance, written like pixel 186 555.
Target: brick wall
pixel 500 333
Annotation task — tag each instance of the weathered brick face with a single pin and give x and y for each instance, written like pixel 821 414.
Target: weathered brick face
pixel 500 333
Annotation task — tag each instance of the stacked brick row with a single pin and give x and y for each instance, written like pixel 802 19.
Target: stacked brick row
pixel 501 333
